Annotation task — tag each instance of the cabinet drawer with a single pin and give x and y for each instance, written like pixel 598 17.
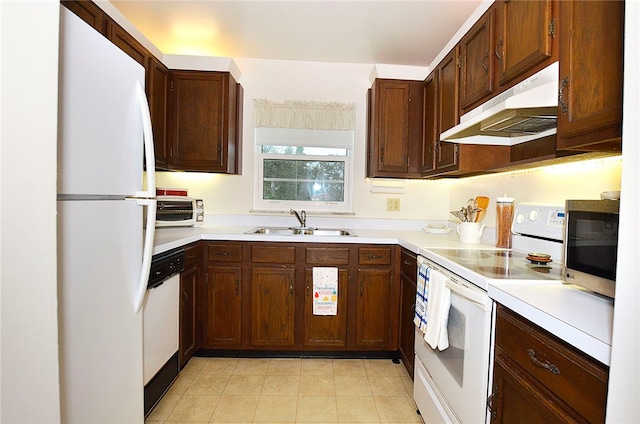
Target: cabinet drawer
pixel 374 255
pixel 327 255
pixel 191 255
pixel 576 379
pixel 409 264
pixel 273 254
pixel 224 252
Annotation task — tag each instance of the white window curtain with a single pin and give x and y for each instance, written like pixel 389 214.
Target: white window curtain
pixel 309 115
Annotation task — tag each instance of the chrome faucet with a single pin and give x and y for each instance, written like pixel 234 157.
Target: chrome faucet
pixel 302 217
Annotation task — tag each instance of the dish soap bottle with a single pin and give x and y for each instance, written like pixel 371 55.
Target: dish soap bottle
pixel 504 217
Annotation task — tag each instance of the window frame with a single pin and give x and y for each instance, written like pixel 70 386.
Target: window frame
pixel 305 138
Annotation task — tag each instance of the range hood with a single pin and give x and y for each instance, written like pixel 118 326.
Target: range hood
pixel 522 113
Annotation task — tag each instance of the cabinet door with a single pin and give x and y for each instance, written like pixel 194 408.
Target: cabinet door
pixel 202 134
pixel 223 310
pixel 88 12
pixel 157 91
pixel 372 315
pixel 477 61
pixel 591 74
pixel 396 128
pixel 272 306
pixel 448 83
pixel 516 397
pixel 431 129
pixel 326 330
pixel 188 337
pixel 408 277
pixel 128 44
pixel 527 29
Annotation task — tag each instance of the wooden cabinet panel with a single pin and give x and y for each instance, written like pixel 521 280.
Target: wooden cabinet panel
pixel 526 32
pixel 128 44
pixel 374 255
pixel 448 83
pixel 332 256
pixel 408 282
pixel 273 254
pixel 224 307
pixel 203 121
pixel 224 252
pixel 477 61
pixel 189 281
pixel 88 12
pixel 431 133
pixel 190 290
pixel 591 75
pixel 326 330
pixel 272 306
pixel 374 292
pixel 539 366
pixel 157 91
pixel 395 128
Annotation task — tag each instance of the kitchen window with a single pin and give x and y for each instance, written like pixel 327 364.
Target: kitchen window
pixel 303 169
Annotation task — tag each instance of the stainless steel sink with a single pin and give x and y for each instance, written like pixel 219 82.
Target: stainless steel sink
pixel 292 231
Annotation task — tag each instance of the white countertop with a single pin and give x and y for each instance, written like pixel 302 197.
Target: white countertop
pixel 582 319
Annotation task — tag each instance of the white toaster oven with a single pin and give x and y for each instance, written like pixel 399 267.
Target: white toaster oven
pixel 179 211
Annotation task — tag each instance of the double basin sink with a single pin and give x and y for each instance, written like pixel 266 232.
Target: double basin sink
pixel 306 231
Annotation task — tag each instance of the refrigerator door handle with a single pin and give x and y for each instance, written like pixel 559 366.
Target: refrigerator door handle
pixel 149 148
pixel 147 252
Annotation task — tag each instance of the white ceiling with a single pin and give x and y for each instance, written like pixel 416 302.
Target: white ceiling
pixel 353 31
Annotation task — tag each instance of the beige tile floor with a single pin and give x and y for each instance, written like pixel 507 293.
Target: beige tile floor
pixel 250 390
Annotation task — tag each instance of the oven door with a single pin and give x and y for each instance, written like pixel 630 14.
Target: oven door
pixel 458 376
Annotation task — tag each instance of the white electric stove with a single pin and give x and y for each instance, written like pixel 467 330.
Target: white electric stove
pixel 451 385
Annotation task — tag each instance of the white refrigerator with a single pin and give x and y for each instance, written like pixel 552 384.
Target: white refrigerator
pixel 104 251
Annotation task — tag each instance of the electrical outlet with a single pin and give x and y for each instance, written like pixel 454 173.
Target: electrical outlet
pixel 393 204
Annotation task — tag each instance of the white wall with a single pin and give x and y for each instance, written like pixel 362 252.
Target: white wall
pixel 551 184
pixel 288 80
pixel 29 355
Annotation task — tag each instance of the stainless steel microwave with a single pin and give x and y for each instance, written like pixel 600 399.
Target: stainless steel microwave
pixel 591 244
pixel 179 211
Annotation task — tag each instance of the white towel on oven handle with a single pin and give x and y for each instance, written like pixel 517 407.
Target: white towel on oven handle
pixel 438 304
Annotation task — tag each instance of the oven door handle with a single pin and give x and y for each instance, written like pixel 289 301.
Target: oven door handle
pixel 481 299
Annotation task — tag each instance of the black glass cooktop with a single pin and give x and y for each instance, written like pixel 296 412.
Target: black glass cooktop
pixel 501 264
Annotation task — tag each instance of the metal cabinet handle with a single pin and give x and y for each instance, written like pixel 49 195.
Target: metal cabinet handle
pixel 563 84
pixel 290 288
pixel 484 65
pixel 535 361
pixel 494 393
pixel 374 256
pixel 499 47
pixel 237 288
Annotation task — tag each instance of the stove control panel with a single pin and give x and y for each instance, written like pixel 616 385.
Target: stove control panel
pixel 539 220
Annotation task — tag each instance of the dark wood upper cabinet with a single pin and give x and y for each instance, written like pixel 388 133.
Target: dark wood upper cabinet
pixel 128 44
pixel 591 75
pixel 395 128
pixel 525 37
pixel 477 61
pixel 431 130
pixel 88 12
pixel 202 121
pixel 448 84
pixel 157 91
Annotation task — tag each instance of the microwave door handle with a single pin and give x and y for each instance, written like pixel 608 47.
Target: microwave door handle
pixel 149 148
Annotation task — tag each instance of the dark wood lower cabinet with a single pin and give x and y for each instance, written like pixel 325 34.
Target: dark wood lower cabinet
pixel 189 292
pixel 538 378
pixel 408 282
pixel 259 297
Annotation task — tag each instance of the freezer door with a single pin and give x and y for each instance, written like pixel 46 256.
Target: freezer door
pixel 99 257
pixel 100 133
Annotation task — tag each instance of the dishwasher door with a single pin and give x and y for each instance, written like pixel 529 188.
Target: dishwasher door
pixel 160 325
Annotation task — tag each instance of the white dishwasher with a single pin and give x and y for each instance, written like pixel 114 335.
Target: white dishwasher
pixel 161 317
